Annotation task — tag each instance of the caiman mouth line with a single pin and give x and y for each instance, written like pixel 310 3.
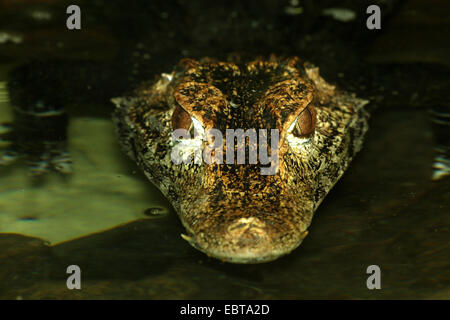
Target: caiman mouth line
pixel 233 212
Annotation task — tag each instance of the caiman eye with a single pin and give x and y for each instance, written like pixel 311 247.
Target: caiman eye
pixel 181 119
pixel 306 123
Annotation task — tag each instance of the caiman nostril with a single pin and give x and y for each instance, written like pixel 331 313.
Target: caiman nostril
pixel 248 233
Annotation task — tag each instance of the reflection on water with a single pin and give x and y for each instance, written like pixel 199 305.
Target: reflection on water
pixel 385 211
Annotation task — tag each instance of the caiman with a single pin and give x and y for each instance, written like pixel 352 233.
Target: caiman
pixel 230 211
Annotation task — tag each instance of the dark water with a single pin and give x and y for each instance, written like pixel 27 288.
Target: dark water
pixel 385 211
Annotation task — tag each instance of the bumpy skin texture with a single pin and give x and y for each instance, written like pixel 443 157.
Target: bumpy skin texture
pixel 232 212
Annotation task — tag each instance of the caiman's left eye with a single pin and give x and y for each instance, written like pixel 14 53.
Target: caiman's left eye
pixel 305 123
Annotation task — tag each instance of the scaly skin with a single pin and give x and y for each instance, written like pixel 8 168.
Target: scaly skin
pixel 232 212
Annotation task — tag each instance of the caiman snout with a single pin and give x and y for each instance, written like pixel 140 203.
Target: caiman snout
pixel 248 240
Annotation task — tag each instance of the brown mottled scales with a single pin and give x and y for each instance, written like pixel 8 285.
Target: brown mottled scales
pixel 232 212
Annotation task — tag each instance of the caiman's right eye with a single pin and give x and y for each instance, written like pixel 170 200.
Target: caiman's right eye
pixel 181 119
pixel 306 123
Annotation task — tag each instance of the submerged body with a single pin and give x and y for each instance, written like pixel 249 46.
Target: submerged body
pixel 232 211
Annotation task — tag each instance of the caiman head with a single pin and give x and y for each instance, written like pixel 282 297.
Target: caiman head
pixel 233 210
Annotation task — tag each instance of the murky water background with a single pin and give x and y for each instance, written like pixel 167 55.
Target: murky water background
pixel 385 211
